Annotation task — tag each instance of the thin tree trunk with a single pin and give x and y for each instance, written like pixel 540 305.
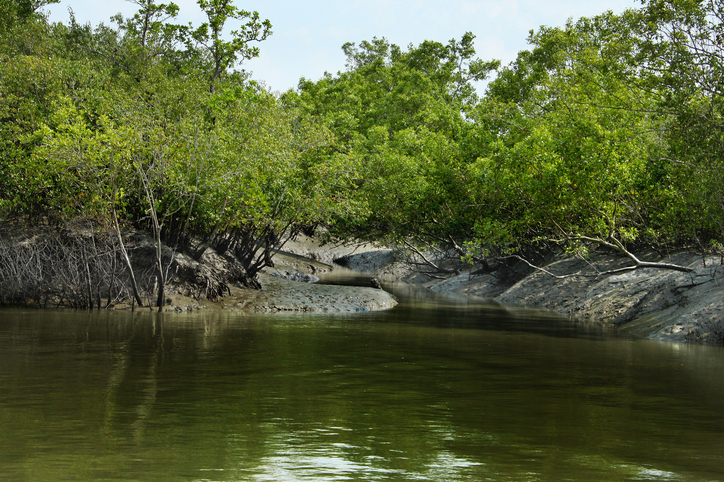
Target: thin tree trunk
pixel 89 283
pixel 161 300
pixel 134 285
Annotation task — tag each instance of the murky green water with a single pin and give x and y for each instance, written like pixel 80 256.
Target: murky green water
pixel 428 391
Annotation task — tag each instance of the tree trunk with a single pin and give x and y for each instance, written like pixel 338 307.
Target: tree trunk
pixel 134 285
pixel 161 299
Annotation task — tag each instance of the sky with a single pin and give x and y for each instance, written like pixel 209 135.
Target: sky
pixel 309 34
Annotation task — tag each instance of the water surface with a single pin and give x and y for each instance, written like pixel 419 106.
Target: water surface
pixel 435 389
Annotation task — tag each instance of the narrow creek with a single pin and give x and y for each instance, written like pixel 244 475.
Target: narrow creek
pixel 436 389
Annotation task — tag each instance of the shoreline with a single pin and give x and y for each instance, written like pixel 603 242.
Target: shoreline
pixel 653 303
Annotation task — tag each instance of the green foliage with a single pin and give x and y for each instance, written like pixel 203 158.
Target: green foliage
pixel 569 152
pixel 608 128
pixel 577 150
pixel 14 12
pixel 400 126
pixel 208 45
pixel 682 58
pixel 96 123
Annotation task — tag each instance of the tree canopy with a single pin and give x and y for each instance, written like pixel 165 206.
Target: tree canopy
pixel 607 130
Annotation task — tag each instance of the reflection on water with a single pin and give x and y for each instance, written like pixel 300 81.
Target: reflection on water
pixel 432 390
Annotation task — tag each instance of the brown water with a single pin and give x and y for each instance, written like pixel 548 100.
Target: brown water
pixel 434 390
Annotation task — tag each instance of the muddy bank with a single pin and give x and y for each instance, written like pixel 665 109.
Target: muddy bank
pixel 662 304
pixel 83 267
pixel 282 295
pixel 288 286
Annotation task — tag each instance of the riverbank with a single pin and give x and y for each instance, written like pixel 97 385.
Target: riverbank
pixel 288 286
pixel 655 303
pixel 81 266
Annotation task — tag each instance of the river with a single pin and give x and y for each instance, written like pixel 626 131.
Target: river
pixel 436 389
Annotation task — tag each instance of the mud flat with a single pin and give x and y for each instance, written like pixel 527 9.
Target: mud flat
pixel 655 303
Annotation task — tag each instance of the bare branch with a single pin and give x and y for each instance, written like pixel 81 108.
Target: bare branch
pixel 424 258
pixel 617 246
pixel 543 270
